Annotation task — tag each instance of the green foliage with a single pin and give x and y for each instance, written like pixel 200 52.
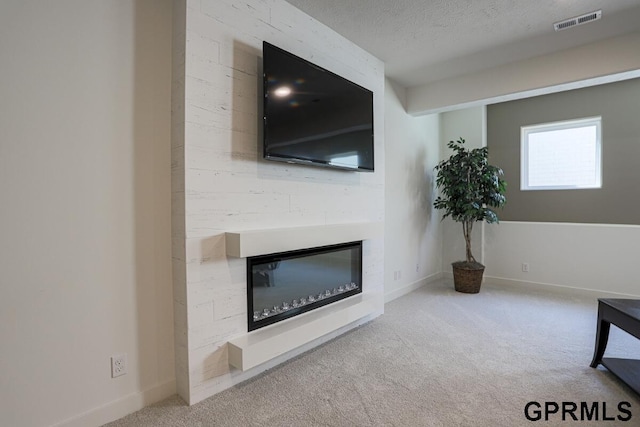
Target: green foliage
pixel 470 188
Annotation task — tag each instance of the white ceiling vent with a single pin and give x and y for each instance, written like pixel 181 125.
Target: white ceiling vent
pixel 578 20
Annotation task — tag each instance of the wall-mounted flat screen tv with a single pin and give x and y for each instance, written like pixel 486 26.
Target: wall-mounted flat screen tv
pixel 313 116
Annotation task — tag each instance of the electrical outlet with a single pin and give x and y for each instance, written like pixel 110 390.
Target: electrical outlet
pixel 525 267
pixel 417 267
pixel 118 365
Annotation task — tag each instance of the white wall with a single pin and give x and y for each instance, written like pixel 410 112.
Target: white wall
pixel 596 257
pixel 228 187
pixel 412 227
pixel 469 124
pixel 568 69
pixel 85 217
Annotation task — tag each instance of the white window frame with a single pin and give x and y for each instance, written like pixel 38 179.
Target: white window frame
pixel 525 131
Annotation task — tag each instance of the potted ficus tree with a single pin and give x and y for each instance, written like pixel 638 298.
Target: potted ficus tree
pixel 470 190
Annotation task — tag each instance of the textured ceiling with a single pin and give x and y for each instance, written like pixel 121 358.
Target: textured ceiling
pixel 422 41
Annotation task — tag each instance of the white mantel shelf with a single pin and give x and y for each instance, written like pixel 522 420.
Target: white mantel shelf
pixel 260 346
pixel 243 244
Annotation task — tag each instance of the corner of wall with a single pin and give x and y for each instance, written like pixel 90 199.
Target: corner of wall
pixel 178 215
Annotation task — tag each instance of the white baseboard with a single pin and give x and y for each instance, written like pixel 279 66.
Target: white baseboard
pixel 121 407
pixel 552 287
pixel 539 286
pixel 397 293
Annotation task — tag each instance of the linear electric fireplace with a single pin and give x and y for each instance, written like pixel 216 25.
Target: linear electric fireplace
pixel 286 284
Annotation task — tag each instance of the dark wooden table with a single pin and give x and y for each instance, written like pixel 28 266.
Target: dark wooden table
pixel 625 314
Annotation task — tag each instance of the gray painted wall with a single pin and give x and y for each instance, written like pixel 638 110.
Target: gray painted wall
pixel 617 201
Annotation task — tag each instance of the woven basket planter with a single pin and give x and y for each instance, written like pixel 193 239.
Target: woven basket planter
pixel 467 277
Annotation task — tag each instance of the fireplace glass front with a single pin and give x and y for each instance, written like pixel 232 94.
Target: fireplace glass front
pixel 286 284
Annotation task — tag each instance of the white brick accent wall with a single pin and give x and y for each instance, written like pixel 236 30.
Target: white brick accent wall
pixel 221 183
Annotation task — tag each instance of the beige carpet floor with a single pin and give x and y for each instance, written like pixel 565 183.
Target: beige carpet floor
pixel 435 358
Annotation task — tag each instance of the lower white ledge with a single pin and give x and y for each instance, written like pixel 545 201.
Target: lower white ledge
pixel 262 345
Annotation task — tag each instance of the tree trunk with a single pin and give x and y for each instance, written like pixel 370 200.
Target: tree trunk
pixel 467 227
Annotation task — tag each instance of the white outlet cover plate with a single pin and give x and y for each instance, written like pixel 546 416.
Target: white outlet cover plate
pixel 118 365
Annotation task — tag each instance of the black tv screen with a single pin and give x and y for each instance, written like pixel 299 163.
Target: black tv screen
pixel 313 116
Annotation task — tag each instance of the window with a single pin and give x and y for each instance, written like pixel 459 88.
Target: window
pixel 561 155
